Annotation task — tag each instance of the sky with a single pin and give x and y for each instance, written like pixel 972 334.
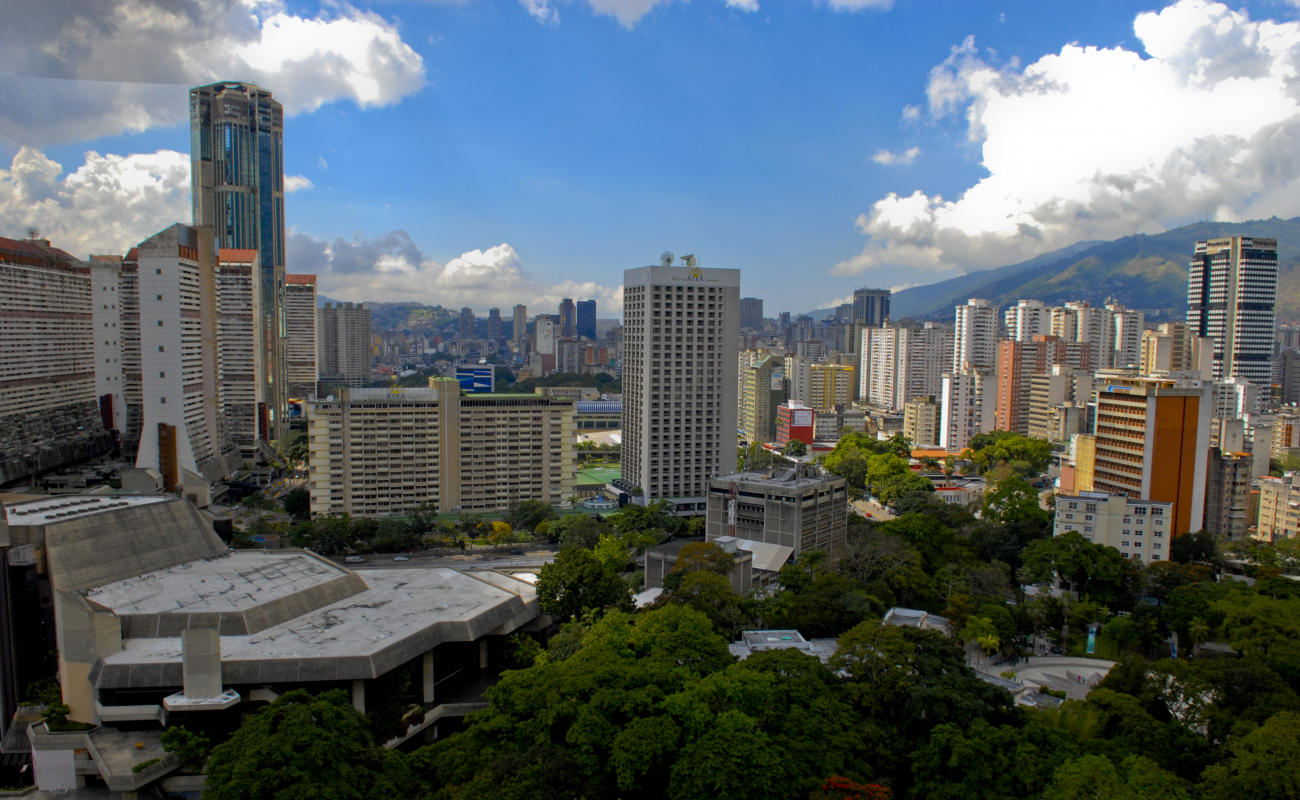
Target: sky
pixel 493 152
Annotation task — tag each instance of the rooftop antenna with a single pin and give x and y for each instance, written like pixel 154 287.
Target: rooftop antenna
pixel 667 258
pixel 690 260
pixel 33 233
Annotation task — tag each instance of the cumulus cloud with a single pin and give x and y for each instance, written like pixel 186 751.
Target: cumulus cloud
pixel 293 183
pixel 888 158
pixel 109 204
pixel 392 269
pixel 1096 143
pixel 78 69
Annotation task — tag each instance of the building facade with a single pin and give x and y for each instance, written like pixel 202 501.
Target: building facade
pixel 871 306
pixel 1227 494
pixel 1232 300
pixel 520 330
pixel 1018 362
pixel 900 363
pixel 922 421
pixel 240 344
pixel 586 319
pixel 343 346
pixel 975 336
pixel 300 331
pixel 1027 319
pixel 762 389
pixel 830 385
pixel 751 312
pixel 968 402
pixel 798 509
pixel 1279 499
pixel 568 319
pixel 1140 530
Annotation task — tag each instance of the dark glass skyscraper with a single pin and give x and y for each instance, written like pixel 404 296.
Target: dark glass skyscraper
pixel 568 319
pixel 587 319
pixel 237 180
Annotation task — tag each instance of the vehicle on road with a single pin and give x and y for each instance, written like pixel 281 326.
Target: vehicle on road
pixel 354 560
pixel 516 552
pixel 401 558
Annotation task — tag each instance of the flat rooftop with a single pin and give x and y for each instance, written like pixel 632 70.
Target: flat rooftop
pixel 236 582
pixel 782 477
pixel 597 475
pixel 57 508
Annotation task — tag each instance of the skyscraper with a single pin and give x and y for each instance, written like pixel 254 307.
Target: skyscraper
pixel 237 183
pixel 975 338
pixel 871 306
pixel 239 340
pixel 751 312
pixel 568 319
pixel 466 332
pixel 586 325
pixel 1232 299
pixel 681 328
pixel 520 329
pixel 343 349
pixel 300 329
pixel 494 325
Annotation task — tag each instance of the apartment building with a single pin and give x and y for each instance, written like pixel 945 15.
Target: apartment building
pixel 829 423
pixel 343 345
pixel 751 312
pixel 382 452
pixel 1125 336
pixel 1279 508
pixel 1026 320
pixel 106 326
pixel 1018 362
pixel 1285 441
pixel 1139 529
pixel 968 405
pixel 1056 400
pixel 830 385
pixel 975 336
pixel 762 389
pixel 922 421
pixel 300 334
pixel 900 363
pixel 1227 494
pixel 240 339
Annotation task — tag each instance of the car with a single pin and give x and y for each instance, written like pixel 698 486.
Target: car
pixel 401 558
pixel 354 560
pixel 516 552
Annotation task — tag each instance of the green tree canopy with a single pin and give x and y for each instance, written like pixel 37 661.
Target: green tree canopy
pixel 577 581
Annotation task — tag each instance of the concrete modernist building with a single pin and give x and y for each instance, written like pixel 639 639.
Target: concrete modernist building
pixel 968 402
pixel 751 312
pixel 586 319
pixel 681 326
pixel 237 180
pixel 343 347
pixel 300 332
pixel 762 389
pixel 1151 442
pixel 380 452
pixel 922 420
pixel 793 507
pixel 49 409
pixel 520 330
pixel 1027 319
pixel 1227 494
pixel 241 352
pixel 494 326
pixel 545 335
pixel 1139 529
pixel 1232 299
pixel 106 324
pixel 184 429
pixel 871 306
pixel 975 336
pixel 1050 394
pixel 900 363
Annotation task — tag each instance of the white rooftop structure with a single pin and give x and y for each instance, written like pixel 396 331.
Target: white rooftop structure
pixel 752 642
pixel 58 508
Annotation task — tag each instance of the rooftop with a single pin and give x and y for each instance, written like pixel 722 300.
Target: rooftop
pixel 761 641
pixel 783 477
pixel 597 475
pixel 58 508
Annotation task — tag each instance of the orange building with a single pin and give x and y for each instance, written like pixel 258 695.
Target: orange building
pixel 1018 362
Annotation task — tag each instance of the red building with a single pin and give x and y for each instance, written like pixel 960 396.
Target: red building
pixel 794 421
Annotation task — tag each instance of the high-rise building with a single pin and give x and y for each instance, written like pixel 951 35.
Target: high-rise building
pixel 1289 376
pixel 1165 348
pixel 184 434
pixel 544 333
pixel 871 306
pixel 568 356
pixel 975 336
pixel 969 401
pixel 466 332
pixel 300 330
pixel 1056 400
pixel 106 317
pixel 568 319
pixel 520 329
pixel 679 379
pixel 1027 319
pixel 437 447
pixel 783 320
pixel 762 389
pixel 586 319
pixel 922 421
pixel 798 376
pixel 237 182
pixel 494 326
pixel 239 342
pixel 1278 499
pixel 1126 337
pixel 1227 494
pixel 49 408
pixel 900 363
pixel 1018 362
pixel 1232 299
pixel 830 385
pixel 751 312
pixel 343 347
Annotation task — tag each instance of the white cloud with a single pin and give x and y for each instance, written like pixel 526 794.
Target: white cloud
pixel 542 11
pixel 107 205
pixel 1097 143
pixel 887 157
pixel 293 183
pixel 860 5
pixel 79 69
pixel 392 269
pixel 627 12
pixel 322 162
pixel 743 5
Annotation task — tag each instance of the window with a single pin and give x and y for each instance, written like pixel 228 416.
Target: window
pixel 160 348
pixel 163 400
pixel 162 374
pixel 159 297
pixel 160 323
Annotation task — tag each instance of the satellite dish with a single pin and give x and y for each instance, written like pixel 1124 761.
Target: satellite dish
pixel 689 261
pixel 667 259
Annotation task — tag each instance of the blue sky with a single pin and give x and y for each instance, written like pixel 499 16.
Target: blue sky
pixel 588 147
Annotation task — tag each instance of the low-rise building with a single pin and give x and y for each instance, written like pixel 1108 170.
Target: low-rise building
pixel 1279 508
pixel 921 420
pixel 1140 529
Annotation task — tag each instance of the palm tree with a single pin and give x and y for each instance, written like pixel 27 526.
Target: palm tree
pixel 981 631
pixel 1198 631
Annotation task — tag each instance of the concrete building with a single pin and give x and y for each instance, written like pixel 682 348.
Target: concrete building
pixel 1126 337
pixel 494 327
pixel 968 402
pixel 382 452
pixel 975 336
pixel 871 306
pixel 300 333
pixel 241 358
pixel 1285 441
pixel 794 508
pixel 1278 500
pixel 1026 320
pixel 1018 362
pixel 900 363
pixel 679 379
pixel 343 349
pixel 465 332
pixel 830 385
pixel 185 435
pixel 1165 348
pixel 762 389
pixel 237 178
pixel 1289 376
pixel 1236 397
pixel 1227 494
pixel 586 319
pixel 520 330
pixel 661 560
pixel 1151 442
pixel 751 312
pixel 922 421
pixel 106 325
pixel 795 422
pixel 1082 323
pixel 1056 400
pixel 49 392
pixel 830 423
pixel 544 333
pixel 1140 529
pixel 1232 299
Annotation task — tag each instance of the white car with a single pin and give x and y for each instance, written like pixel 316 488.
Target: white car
pixel 401 558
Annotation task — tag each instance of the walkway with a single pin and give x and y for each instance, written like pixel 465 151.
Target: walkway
pixel 1074 676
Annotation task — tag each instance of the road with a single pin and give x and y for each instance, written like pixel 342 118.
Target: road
pixel 872 510
pixel 482 560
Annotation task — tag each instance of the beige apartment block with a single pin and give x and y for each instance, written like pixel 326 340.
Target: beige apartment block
pixel 242 366
pixel 830 385
pixel 300 333
pixel 343 350
pixel 1140 530
pixel 383 452
pixel 921 421
pixel 1279 508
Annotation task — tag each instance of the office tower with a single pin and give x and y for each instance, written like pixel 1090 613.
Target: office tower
pixel 568 357
pixel 871 306
pixel 1231 299
pixel 300 330
pixel 1027 319
pixel 466 332
pixel 106 318
pixel 900 363
pixel 762 389
pixel 1151 442
pixel 830 385
pixel 586 319
pixel 437 447
pixel 544 332
pixel 1290 377
pixel 237 181
pixel 975 336
pixel 568 319
pixel 922 421
pixel 239 343
pixel 1018 362
pixel 969 402
pixel 1227 494
pixel 184 433
pixel 751 312
pixel 1140 529
pixel 494 326
pixel 49 409
pixel 783 320
pixel 343 347
pixel 1126 337
pixel 679 378
pixel 520 329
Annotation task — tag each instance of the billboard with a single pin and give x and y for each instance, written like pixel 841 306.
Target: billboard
pixel 477 380
pixel 778 381
pixel 803 418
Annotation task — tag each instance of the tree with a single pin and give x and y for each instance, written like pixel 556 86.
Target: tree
pixel 1194 548
pixel 1261 765
pixel 577 581
pixel 191 748
pixel 988 450
pixel 878 660
pixel 795 449
pixel 982 631
pixel 301 747
pixel 1013 500
pixel 1093 776
pixel 1090 568
pixel 576 530
pixel 529 513
pixel 704 556
pixel 297 502
pixel 611 551
pixel 870 555
pixel 710 594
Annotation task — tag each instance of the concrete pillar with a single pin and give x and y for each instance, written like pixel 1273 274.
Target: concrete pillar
pixel 482 654
pixel 428 677
pixel 359 696
pixel 201 663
